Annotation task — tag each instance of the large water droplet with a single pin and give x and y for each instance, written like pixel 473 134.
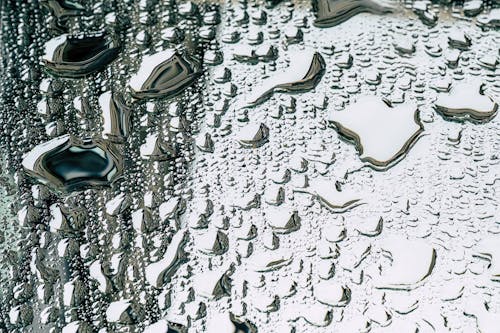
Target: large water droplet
pixel 69 164
pixel 76 57
pixel 164 74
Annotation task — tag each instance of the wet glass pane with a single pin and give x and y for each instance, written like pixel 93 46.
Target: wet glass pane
pixel 249 166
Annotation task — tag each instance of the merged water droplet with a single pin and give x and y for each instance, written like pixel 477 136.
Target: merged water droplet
pixel 73 57
pixel 466 101
pixel 330 13
pixel 412 262
pixel 69 164
pixel 304 73
pixel 383 134
pixel 330 196
pixel 164 74
pixel 161 271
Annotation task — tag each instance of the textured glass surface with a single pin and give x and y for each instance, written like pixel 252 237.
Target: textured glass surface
pixel 249 166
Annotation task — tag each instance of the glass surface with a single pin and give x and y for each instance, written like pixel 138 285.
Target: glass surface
pixel 249 166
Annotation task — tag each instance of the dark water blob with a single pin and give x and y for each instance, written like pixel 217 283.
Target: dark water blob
pixel 70 164
pixel 78 57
